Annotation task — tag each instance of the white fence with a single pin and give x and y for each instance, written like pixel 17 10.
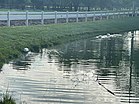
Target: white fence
pixel 26 16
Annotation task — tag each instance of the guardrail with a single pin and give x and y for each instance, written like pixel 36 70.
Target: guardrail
pixel 42 16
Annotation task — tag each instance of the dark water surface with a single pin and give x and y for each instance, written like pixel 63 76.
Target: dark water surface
pixel 101 70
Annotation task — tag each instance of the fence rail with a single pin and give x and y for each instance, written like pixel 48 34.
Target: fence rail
pixel 42 16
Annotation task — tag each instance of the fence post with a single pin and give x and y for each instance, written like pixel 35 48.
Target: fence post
pixel 67 17
pixel 116 14
pixel 86 16
pixel 124 14
pixel 94 17
pixel 42 18
pixel 77 15
pixel 55 17
pixel 107 15
pixel 136 13
pixel 133 13
pixel 113 15
pixel 128 14
pixel 8 19
pixel 119 14
pixel 101 16
pixel 26 18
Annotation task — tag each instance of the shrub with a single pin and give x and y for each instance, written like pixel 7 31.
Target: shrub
pixel 7 99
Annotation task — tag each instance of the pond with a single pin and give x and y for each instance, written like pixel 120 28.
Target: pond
pixel 99 70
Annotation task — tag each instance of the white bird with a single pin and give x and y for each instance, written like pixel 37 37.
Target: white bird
pixel 108 34
pixel 26 49
pixel 97 37
pixel 104 36
pixel 101 36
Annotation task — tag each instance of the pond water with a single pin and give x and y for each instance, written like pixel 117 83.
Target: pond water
pixel 100 70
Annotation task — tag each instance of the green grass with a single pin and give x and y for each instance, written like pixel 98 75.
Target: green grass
pixel 14 39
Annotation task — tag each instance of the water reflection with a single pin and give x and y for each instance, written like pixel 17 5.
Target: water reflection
pixel 131 65
pixel 116 60
pixel 102 70
pixel 23 62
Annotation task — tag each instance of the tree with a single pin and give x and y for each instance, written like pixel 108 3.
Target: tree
pixel 68 4
pixel 88 3
pixel 38 4
pixel 76 4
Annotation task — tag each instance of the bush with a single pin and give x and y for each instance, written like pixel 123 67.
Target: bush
pixel 7 99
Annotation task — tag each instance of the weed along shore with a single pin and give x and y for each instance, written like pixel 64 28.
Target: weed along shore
pixel 14 39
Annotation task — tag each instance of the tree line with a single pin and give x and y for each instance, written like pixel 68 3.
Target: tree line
pixel 70 5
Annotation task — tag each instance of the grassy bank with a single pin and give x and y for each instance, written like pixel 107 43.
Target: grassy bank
pixel 14 39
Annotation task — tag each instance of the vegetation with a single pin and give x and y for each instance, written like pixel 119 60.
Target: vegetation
pixel 7 99
pixel 14 39
pixel 67 4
